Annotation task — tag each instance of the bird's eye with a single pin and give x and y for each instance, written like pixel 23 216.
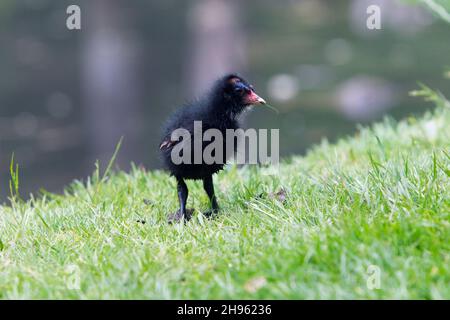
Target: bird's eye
pixel 238 89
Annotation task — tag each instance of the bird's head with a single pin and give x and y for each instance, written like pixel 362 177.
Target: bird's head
pixel 237 92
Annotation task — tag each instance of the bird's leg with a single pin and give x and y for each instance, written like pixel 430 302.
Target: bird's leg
pixel 182 198
pixel 182 195
pixel 209 188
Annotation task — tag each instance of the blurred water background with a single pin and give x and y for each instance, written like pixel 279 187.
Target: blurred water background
pixel 66 97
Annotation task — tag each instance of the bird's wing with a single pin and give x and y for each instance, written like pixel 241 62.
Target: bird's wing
pixel 167 143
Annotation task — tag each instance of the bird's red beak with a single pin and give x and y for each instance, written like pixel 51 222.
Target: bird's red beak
pixel 253 98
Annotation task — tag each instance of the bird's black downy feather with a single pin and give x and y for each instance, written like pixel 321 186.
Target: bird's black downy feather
pixel 217 109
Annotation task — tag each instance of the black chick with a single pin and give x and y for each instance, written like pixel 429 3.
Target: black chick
pixel 219 109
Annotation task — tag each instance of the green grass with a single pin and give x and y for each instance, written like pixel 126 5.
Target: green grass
pixel 379 199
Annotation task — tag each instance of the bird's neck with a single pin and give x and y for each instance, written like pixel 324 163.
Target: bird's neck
pixel 222 107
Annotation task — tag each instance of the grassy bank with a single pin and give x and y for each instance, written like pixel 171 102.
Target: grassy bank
pixel 367 217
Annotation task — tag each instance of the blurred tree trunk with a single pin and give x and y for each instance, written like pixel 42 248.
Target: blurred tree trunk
pixel 109 82
pixel 217 42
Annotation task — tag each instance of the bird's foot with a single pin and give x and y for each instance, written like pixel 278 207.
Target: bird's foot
pixel 212 213
pixel 179 216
